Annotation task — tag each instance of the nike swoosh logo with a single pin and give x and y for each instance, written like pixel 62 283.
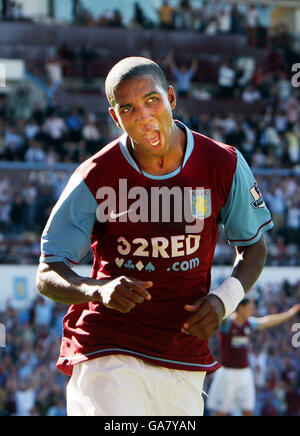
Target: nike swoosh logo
pixel 114 215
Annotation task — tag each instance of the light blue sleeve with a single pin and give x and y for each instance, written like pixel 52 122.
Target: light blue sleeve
pixel 191 73
pixel 67 235
pixel 245 216
pixel 225 326
pixel 254 323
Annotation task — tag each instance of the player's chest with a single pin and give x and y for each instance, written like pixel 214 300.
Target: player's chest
pixel 177 205
pixel 239 336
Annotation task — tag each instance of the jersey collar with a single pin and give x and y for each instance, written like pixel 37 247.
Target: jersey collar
pixel 188 152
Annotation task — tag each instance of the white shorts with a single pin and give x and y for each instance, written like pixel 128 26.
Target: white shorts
pixel 120 385
pixel 232 389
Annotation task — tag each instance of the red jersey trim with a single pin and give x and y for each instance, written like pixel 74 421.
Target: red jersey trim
pixel 53 255
pixel 248 240
pixel 65 364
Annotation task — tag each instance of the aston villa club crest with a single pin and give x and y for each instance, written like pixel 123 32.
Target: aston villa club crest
pixel 201 203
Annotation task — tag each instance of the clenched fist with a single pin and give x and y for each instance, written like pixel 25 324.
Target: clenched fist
pixel 123 293
pixel 208 316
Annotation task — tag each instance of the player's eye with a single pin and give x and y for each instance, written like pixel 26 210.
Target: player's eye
pixel 152 99
pixel 126 109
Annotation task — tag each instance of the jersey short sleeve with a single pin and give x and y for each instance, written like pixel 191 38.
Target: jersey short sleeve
pixel 225 326
pixel 67 235
pixel 245 216
pixel 254 323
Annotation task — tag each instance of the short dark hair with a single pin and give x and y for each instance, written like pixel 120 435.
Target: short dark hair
pixel 128 68
pixel 244 302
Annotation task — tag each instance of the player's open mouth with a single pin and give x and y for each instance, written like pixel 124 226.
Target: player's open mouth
pixel 153 138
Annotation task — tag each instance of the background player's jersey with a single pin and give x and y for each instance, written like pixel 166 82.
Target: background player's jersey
pixel 234 342
pixel 139 225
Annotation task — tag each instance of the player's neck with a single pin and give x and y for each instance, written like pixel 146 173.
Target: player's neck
pixel 238 319
pixel 160 165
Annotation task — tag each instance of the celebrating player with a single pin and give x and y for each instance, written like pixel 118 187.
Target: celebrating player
pixel 233 385
pixel 135 338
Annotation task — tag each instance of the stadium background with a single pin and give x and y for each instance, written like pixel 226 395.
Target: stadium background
pixel 53 115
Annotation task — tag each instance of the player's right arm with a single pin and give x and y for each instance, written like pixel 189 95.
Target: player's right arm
pixel 65 242
pixel 60 283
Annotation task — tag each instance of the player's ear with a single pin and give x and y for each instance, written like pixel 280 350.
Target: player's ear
pixel 114 116
pixel 172 97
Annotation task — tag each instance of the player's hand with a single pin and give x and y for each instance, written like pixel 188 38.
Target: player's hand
pixel 208 316
pixel 123 293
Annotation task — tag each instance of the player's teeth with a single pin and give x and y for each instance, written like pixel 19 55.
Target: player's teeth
pixel 155 143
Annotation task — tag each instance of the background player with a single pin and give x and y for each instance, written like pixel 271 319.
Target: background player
pixel 233 385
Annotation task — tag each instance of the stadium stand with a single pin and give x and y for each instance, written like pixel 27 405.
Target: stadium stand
pixel 56 117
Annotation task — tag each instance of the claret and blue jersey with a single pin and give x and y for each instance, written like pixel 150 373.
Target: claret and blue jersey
pixel 158 228
pixel 234 342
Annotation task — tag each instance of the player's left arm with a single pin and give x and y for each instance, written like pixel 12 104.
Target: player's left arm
pixel 245 218
pixel 210 311
pixel 249 263
pixel 276 319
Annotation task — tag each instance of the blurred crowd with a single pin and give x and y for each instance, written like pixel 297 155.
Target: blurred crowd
pixel 218 17
pixel 269 141
pixel 26 206
pixel 210 17
pixel 30 384
pixel 11 11
pixel 47 132
pixel 273 357
pixel 50 136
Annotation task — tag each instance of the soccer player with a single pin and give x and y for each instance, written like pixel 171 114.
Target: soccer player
pixel 135 337
pixel 233 385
